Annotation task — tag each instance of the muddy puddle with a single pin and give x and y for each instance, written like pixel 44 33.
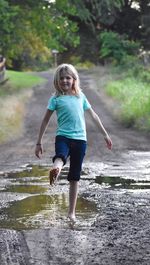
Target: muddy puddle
pixel 28 202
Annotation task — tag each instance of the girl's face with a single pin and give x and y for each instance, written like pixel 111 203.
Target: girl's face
pixel 66 82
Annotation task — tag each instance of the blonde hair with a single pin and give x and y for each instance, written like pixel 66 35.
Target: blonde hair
pixel 70 70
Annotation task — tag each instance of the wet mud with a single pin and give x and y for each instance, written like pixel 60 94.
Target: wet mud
pixel 113 209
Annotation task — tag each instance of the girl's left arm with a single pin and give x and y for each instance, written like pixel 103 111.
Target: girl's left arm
pixel 99 124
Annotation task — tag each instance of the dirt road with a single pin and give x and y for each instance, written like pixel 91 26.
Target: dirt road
pixel 120 232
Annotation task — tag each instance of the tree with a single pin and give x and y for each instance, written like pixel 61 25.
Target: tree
pixel 93 17
pixel 8 17
pixel 31 29
pixel 123 16
pixel 42 26
pixel 145 23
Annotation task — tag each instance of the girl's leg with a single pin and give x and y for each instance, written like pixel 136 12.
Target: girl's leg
pixel 61 154
pixel 77 152
pixel 73 193
pixel 55 171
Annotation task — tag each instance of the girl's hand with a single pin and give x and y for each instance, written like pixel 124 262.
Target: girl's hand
pixel 38 150
pixel 108 142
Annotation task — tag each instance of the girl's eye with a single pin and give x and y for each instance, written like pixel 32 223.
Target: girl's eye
pixel 66 77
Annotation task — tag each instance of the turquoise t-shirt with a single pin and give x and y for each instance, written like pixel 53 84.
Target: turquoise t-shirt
pixel 70 115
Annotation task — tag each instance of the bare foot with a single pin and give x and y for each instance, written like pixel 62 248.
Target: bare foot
pixel 72 218
pixel 53 173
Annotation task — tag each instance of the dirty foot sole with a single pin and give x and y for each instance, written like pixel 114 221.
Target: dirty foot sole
pixel 53 175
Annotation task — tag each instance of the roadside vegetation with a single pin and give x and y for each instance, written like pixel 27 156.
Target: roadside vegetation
pixel 113 33
pixel 132 95
pixel 13 96
pixel 128 80
pixel 68 27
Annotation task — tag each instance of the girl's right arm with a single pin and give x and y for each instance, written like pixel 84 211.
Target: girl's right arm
pixel 39 149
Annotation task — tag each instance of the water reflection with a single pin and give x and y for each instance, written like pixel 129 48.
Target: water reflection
pixel 26 189
pixel 118 182
pixel 29 171
pixel 42 211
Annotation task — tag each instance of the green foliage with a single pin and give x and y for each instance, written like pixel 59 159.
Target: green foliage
pixel 116 47
pixel 76 60
pixel 144 75
pixel 30 29
pixel 133 97
pixel 135 69
pixel 79 63
pixel 63 34
pixel 97 12
pixel 43 26
pixel 8 17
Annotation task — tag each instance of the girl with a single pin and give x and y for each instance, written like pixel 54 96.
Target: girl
pixel 70 104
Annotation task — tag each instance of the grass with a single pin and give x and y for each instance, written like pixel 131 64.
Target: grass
pixel 128 93
pixel 18 81
pixel 13 96
pixel 11 116
pixel 133 97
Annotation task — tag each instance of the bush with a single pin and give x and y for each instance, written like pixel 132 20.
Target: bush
pixel 116 47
